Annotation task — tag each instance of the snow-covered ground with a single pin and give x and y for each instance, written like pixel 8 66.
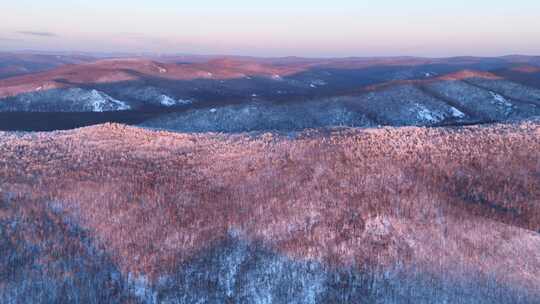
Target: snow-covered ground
pixel 167 101
pixel 101 102
pixel 64 100
pixel 424 114
pixel 456 113
pixel 500 99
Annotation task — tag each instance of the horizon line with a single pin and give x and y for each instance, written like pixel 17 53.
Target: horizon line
pixel 225 55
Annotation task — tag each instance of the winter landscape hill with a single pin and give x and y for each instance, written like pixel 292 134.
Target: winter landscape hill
pixel 211 179
pixel 387 215
pixel 239 94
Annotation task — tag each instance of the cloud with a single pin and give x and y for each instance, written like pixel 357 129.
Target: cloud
pixel 36 33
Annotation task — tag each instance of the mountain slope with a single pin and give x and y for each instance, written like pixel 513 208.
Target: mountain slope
pixel 288 94
pixel 423 215
pixel 432 102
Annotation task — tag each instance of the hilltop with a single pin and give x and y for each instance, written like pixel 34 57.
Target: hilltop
pixel 386 215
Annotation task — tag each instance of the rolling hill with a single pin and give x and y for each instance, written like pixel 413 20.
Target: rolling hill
pixel 384 215
pixel 205 94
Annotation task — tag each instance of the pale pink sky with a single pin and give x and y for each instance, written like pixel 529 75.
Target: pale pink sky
pixel 275 28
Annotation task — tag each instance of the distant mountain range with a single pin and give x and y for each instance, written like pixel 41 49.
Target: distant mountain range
pixel 236 94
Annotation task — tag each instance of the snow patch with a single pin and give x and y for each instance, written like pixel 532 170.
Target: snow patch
pixel 101 102
pixel 425 114
pixel 500 99
pixel 318 82
pixel 277 77
pixel 213 110
pixel 162 70
pixel 456 113
pixel 167 101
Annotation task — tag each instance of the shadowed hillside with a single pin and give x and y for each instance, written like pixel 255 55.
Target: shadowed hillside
pixel 242 94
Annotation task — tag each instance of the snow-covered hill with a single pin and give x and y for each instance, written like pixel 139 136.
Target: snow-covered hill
pixel 64 100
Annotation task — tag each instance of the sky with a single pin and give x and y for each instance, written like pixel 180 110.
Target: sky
pixel 315 28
